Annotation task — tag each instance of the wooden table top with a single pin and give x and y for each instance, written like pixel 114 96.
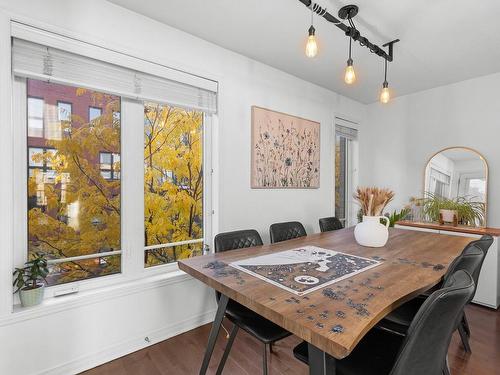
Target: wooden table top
pixel 336 317
pixel 495 232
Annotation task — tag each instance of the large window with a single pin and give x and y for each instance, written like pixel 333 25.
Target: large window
pixel 108 181
pixel 73 208
pixel 345 172
pixel 173 183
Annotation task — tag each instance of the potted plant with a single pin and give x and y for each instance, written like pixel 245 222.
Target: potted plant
pixel 29 280
pixel 371 232
pixel 396 216
pixel 462 210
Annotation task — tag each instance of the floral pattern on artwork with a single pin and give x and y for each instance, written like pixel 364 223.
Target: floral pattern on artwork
pixel 285 150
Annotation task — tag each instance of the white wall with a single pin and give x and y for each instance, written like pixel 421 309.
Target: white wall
pixel 70 340
pixel 407 132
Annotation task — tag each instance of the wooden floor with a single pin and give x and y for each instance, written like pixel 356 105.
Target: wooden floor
pixel 182 354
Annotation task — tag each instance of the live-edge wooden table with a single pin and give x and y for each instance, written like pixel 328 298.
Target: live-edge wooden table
pixel 335 318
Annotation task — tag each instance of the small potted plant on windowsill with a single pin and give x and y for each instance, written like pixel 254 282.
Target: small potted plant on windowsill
pixel 29 280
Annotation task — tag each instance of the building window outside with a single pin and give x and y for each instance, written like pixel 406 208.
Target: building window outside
pixel 94 113
pixel 109 165
pixel 35 117
pixel 64 111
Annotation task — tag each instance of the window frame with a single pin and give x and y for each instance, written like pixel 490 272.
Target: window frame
pixel 20 176
pixel 132 206
pixel 208 211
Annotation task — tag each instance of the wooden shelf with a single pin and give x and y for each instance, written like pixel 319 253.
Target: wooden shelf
pixel 495 232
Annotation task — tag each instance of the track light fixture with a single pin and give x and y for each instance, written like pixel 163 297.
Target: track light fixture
pixel 347 13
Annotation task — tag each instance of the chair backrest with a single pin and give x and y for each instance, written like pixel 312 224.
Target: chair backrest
pixel 286 231
pixel 237 239
pixel 471 259
pixel 328 224
pixel 426 343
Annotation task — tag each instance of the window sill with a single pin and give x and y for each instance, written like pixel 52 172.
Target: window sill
pixel 56 304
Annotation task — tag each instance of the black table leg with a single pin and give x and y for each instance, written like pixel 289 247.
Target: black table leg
pixel 221 310
pixel 320 363
pixel 229 344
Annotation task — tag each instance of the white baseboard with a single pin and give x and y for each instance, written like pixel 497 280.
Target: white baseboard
pixel 118 350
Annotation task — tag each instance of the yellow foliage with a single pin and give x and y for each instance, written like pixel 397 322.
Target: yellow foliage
pixel 77 181
pixel 173 180
pixel 173 189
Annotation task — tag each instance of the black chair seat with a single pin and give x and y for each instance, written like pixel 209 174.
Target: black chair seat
pixel 374 355
pixel 400 319
pixel 263 329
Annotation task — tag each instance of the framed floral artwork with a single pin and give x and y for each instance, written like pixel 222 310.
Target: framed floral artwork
pixel 285 151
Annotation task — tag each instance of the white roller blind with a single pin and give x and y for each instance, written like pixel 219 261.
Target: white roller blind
pixel 346 132
pixel 32 60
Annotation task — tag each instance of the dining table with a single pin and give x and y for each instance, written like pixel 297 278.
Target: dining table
pixel 335 317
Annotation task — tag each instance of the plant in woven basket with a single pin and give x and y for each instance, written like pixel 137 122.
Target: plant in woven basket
pixel 373 200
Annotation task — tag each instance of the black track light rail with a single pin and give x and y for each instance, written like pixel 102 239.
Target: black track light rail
pixel 353 32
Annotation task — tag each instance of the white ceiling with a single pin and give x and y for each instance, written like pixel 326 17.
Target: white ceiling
pixel 442 41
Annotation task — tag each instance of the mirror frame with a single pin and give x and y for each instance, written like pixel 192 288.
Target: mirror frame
pixel 485 167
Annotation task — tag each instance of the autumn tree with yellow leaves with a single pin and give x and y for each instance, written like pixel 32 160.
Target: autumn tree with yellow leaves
pixel 73 210
pixel 173 181
pixel 75 184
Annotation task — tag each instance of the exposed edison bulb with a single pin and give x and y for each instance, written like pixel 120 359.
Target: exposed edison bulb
pixel 350 75
pixel 311 46
pixel 385 95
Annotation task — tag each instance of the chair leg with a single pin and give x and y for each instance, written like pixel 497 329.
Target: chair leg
pixel 264 360
pixel 465 323
pixel 229 344
pixel 465 338
pixel 271 348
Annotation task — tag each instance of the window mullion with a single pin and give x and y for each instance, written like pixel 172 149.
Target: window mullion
pixel 132 174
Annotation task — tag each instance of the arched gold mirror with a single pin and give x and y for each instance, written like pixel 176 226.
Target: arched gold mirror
pixel 456 187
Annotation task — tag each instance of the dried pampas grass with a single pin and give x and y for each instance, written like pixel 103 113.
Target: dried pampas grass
pixel 373 200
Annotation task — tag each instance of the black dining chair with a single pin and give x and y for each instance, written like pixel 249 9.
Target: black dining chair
pixel 286 231
pixel 328 224
pixel 262 329
pixel 424 348
pixel 471 259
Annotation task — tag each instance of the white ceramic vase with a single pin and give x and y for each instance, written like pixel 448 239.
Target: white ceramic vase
pixel 370 232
